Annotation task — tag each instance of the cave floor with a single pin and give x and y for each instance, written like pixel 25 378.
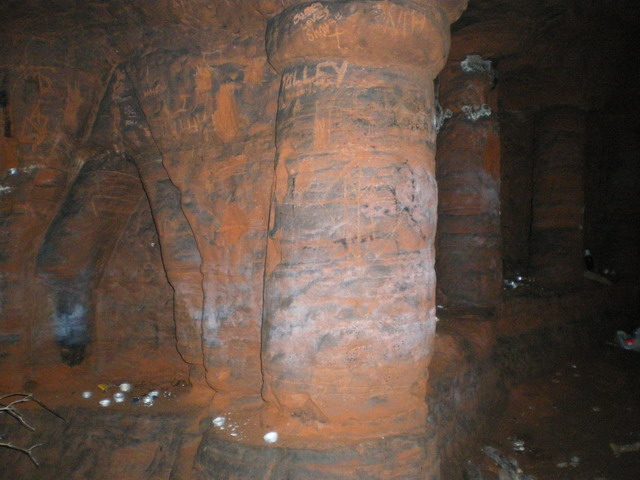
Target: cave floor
pixel 125 441
pixel 564 422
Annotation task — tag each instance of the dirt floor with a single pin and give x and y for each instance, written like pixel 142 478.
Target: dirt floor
pixel 563 423
pixel 561 426
pixel 123 441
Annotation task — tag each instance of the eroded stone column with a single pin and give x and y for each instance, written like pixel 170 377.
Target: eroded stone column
pixel 349 312
pixel 468 260
pixel 349 296
pixel 558 199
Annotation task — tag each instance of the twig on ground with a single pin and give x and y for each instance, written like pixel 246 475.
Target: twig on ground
pixel 10 408
pixel 26 451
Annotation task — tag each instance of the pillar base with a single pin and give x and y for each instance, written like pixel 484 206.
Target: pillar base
pixel 400 457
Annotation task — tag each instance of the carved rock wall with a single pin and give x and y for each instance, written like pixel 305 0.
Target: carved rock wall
pixel 51 90
pixel 209 102
pixel 288 184
pixel 134 318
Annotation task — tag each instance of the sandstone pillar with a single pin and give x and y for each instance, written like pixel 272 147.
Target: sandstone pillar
pixel 558 199
pixel 349 296
pixel 349 315
pixel 468 248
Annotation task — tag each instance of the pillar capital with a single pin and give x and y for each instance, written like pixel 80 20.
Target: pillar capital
pixel 269 8
pixel 467 86
pixel 372 33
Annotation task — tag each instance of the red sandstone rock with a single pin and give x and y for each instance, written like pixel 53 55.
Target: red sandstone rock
pixel 349 292
pixel 468 248
pixel 181 97
pixel 212 113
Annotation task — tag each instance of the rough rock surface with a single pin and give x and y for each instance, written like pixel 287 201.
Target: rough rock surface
pixel 468 244
pixel 243 195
